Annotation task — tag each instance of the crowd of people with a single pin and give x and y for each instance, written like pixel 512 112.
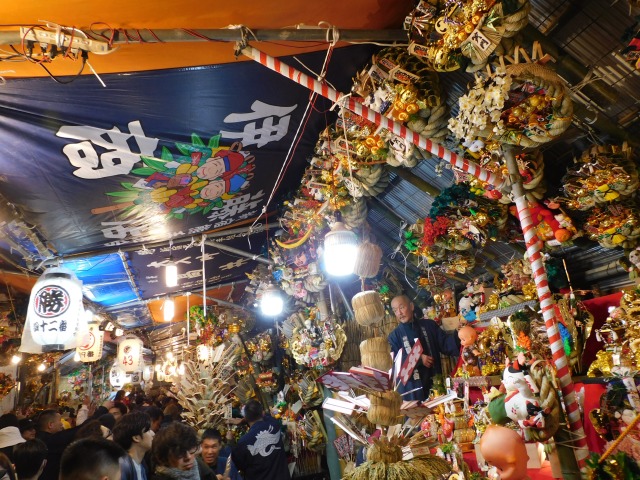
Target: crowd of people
pixel 137 440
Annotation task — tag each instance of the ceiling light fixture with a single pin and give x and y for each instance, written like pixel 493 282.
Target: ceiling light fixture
pixel 271 302
pixel 168 309
pixel 340 250
pixel 16 359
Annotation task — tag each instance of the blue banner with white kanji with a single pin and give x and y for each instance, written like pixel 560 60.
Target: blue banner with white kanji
pixel 157 155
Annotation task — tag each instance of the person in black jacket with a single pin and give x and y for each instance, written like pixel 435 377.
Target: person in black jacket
pixel 91 459
pixel 29 459
pixel 133 433
pixel 56 438
pixel 260 453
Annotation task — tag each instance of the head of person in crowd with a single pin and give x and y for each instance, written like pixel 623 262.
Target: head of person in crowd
pixel 171 412
pixel 156 415
pixel 50 421
pixel 91 459
pixel 402 308
pixel 29 459
pixel 120 396
pixel 211 445
pixel 107 420
pixel 8 420
pixel 27 429
pixel 133 433
pixel 175 448
pixel 118 410
pixel 92 429
pixel 7 471
pixel 252 412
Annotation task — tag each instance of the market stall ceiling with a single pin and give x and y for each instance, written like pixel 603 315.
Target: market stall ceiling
pixel 77 160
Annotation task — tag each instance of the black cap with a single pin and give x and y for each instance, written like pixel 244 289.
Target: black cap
pixel 26 424
pixel 107 420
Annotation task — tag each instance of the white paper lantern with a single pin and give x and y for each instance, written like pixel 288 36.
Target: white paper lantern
pixel 54 314
pixel 90 344
pixel 147 373
pixel 117 376
pixel 130 354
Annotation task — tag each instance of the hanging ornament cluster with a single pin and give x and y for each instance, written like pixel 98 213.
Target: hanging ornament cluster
pixel 399 86
pixel 620 335
pixel 457 221
pixel 219 324
pixel 524 104
pixel 6 384
pixel 616 225
pixel 602 174
pixel 447 35
pixel 314 342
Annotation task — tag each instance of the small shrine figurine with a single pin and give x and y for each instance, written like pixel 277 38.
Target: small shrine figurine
pixel 470 353
pixel 520 402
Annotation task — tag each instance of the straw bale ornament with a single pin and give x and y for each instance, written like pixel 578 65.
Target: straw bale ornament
pixel 368 308
pixel 376 353
pixel 367 260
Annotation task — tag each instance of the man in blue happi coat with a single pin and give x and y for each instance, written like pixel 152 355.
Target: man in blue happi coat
pixel 434 342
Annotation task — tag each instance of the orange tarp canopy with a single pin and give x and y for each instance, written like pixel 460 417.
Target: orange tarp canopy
pixel 187 15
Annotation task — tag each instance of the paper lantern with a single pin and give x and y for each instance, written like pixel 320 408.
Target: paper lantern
pixel 130 354
pixel 147 373
pixel 54 314
pixel 117 376
pixel 90 343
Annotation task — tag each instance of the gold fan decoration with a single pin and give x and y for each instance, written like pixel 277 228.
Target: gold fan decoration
pixel 203 391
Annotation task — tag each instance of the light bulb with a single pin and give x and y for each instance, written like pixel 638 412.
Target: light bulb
pixel 16 359
pixel 181 369
pixel 76 357
pixel 169 356
pixel 171 273
pixel 340 251
pixel 42 367
pixel 271 303
pixel 169 309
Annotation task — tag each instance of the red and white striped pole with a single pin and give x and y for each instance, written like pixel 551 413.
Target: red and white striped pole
pixel 547 305
pixel 321 88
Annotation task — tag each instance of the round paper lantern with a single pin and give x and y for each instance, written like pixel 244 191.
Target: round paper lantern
pixel 90 344
pixel 130 354
pixel 55 308
pixel 117 376
pixel 147 373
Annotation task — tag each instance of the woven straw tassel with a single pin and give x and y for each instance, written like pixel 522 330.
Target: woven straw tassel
pixel 368 260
